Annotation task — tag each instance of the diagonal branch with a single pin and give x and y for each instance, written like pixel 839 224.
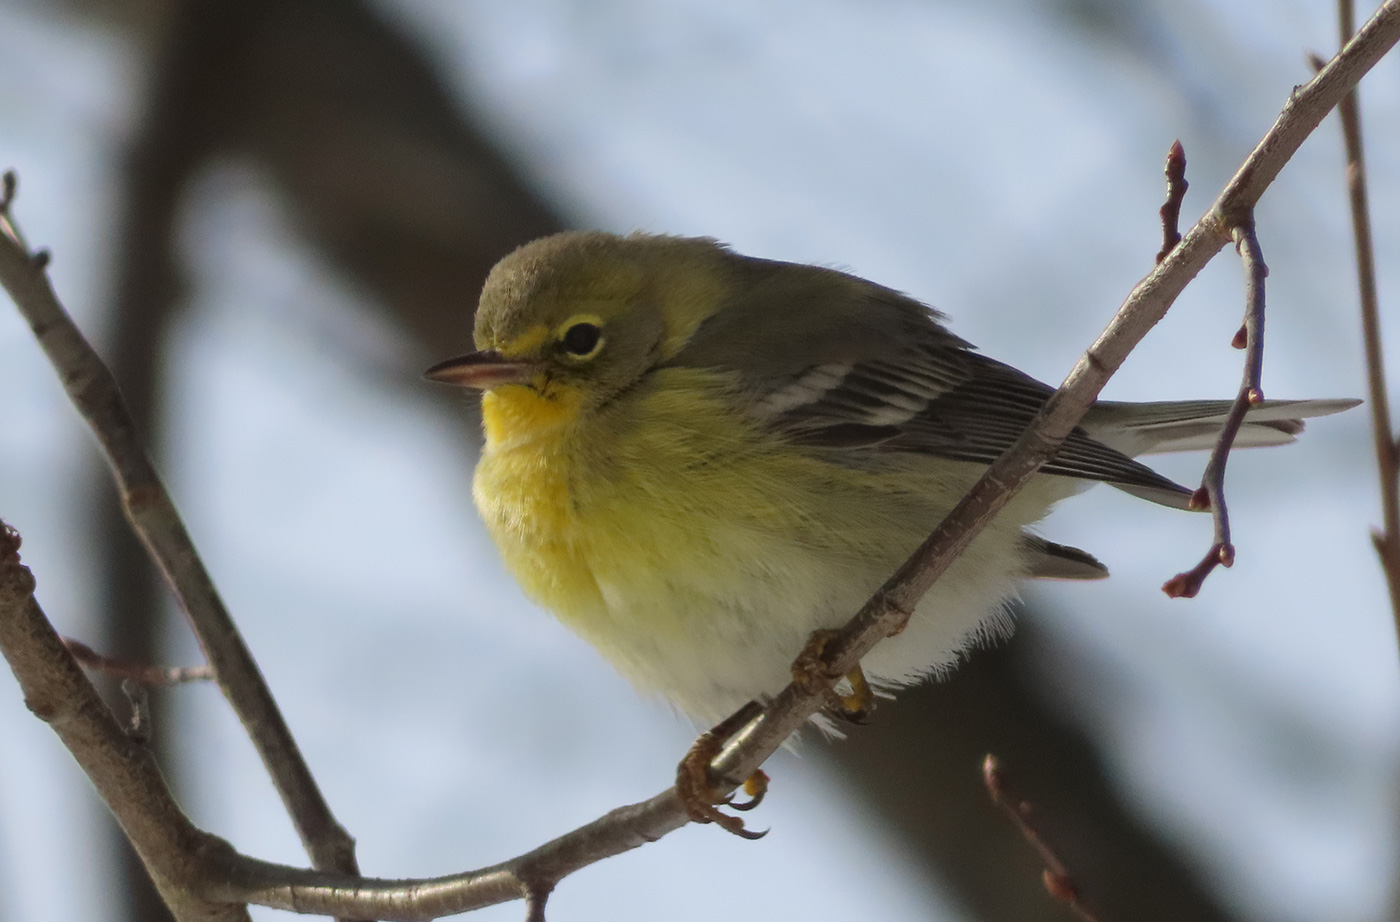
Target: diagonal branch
pixel 153 517
pixel 123 771
pixel 1144 307
pixel 1057 879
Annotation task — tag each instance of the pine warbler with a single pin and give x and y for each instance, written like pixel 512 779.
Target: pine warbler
pixel 696 459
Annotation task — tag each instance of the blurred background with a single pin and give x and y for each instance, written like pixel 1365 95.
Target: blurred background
pixel 270 216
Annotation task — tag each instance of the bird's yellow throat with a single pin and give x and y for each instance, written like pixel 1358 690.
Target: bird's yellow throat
pixel 515 415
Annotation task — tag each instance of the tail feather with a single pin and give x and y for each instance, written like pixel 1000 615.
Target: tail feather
pixel 1191 425
pixel 1048 560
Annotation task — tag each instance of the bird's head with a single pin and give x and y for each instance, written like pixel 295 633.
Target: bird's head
pixel 580 317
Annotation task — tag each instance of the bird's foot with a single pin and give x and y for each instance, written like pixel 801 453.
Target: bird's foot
pixel 697 791
pixel 812 673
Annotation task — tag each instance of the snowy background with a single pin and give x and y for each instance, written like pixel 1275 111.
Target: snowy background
pixel 991 158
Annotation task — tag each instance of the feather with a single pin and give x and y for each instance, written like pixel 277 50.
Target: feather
pixel 1192 425
pixel 1048 560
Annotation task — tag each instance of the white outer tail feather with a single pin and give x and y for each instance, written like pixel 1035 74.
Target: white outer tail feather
pixel 1193 425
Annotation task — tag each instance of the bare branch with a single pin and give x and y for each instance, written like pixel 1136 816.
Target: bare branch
pixel 122 770
pixel 239 878
pixel 890 607
pixel 1058 882
pixel 1211 495
pixel 1387 539
pixel 152 514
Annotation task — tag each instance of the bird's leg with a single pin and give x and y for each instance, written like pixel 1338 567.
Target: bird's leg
pixel 811 672
pixel 697 790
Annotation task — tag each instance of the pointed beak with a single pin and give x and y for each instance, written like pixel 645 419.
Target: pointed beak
pixel 481 371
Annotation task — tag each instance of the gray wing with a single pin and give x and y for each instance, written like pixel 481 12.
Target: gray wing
pixel 880 405
pixel 886 378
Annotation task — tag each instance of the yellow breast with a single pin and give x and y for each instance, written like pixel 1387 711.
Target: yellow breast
pixel 640 517
pixel 522 490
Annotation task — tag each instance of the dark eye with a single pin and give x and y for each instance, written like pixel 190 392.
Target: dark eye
pixel 582 338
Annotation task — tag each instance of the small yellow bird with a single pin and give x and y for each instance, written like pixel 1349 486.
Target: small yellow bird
pixel 695 459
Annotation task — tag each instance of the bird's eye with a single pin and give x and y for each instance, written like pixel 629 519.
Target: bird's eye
pixel 582 339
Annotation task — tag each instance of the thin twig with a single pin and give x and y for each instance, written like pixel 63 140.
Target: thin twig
pixel 153 517
pixel 1387 538
pixel 235 878
pixel 1211 494
pixel 1175 168
pixel 159 676
pixel 1057 879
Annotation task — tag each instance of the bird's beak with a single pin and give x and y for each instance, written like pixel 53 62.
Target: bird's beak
pixel 481 371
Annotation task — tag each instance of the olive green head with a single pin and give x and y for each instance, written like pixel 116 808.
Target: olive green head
pixel 590 310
